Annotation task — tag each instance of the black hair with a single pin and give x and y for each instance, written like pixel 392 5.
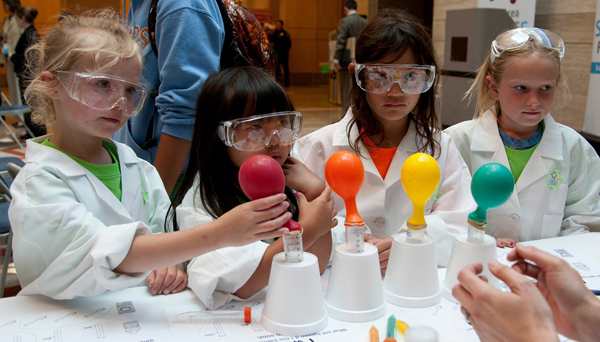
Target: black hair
pixel 12 4
pixel 230 94
pixel 280 21
pixel 351 4
pixel 27 13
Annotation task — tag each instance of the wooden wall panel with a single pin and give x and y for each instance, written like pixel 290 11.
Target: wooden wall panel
pixel 545 7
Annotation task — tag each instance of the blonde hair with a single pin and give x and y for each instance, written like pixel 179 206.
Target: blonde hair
pixel 496 70
pixel 99 35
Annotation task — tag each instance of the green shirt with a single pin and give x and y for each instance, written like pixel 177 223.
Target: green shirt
pixel 109 175
pixel 517 159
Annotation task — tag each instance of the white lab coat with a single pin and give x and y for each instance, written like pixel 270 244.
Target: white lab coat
pixel 383 204
pixel 537 209
pixel 216 276
pixel 70 230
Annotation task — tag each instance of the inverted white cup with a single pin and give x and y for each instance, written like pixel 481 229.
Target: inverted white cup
pixel 465 253
pixel 294 304
pixel 411 279
pixel 355 290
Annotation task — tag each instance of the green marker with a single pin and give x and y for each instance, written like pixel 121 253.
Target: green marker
pixel 391 329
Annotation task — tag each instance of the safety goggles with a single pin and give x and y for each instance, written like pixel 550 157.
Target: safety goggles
pixel 380 78
pixel 255 132
pixel 103 92
pixel 513 39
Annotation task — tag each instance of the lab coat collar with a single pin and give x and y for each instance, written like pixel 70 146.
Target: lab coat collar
pixel 487 138
pixel 406 148
pixel 130 189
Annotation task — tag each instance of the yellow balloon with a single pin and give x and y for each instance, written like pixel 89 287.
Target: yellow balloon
pixel 420 177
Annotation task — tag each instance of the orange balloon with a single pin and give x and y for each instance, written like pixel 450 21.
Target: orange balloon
pixel 345 174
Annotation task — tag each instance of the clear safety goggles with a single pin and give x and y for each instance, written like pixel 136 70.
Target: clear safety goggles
pixel 103 92
pixel 518 37
pixel 255 132
pixel 380 78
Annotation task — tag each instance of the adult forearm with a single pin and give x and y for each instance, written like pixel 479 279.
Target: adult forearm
pixel 588 322
pixel 170 159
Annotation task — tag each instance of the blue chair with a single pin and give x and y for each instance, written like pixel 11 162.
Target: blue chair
pixel 18 111
pixel 11 167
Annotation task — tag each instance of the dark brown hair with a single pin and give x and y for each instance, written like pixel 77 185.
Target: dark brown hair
pixel 27 13
pixel 390 35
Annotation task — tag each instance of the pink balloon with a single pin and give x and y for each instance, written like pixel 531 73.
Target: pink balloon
pixel 261 176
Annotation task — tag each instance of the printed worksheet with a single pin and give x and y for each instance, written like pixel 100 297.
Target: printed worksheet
pixel 102 321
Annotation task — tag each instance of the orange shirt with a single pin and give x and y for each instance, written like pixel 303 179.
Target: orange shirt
pixel 382 157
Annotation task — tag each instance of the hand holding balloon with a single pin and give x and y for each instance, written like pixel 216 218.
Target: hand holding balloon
pixel 492 186
pixel 345 174
pixel 261 176
pixel 420 177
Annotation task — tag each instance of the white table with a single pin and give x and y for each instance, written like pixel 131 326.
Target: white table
pixel 110 317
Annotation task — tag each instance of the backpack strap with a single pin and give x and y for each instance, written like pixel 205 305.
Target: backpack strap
pixel 152 25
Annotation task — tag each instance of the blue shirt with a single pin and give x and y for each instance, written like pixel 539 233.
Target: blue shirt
pixel 189 37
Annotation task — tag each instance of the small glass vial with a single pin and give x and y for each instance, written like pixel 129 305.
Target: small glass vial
pixel 415 234
pixel 355 237
pixel 292 244
pixel 476 231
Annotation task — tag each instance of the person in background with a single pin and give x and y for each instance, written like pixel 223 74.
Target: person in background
pixel 350 26
pixel 393 116
pixel 11 33
pixel 533 311
pixel 556 171
pixel 161 134
pixel 282 43
pixel 24 19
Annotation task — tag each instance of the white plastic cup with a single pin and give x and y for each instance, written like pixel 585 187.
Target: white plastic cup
pixel 412 277
pixel 294 304
pixel 465 253
pixel 355 290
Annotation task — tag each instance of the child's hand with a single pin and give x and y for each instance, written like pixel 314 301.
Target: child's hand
pixel 384 247
pixel 167 280
pixel 255 220
pixel 505 242
pixel 301 178
pixel 317 216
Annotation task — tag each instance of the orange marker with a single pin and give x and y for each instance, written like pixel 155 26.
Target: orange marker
pixel 374 334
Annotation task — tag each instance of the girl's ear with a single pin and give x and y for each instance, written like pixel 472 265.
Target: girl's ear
pixel 493 87
pixel 47 77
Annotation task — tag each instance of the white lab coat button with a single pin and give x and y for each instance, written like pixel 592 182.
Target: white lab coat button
pixel 380 221
pixel 514 217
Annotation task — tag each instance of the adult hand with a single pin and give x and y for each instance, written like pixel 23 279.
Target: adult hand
pixel 520 315
pixel 167 280
pixel 576 310
pixel 384 247
pixel 301 178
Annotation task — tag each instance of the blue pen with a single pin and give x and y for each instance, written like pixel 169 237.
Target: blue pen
pixel 596 292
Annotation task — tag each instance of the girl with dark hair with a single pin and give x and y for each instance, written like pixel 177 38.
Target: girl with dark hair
pixel 393 116
pixel 242 112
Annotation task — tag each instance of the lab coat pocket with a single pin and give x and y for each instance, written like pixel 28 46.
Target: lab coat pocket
pixel 551 225
pixel 557 199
